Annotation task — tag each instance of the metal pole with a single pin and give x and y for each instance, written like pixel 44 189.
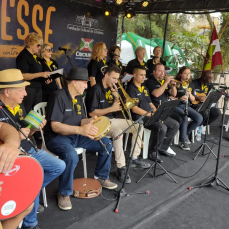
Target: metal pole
pixel 165 33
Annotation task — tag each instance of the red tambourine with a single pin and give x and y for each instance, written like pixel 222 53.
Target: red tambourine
pixel 20 187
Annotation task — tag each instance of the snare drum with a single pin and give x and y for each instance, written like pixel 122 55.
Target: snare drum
pixel 103 123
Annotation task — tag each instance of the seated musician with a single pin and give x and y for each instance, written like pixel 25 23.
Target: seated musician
pixel 161 87
pixel 156 59
pixel 140 53
pixel 103 99
pixel 167 129
pixel 202 87
pixel 184 108
pixel 67 129
pixel 9 151
pixel 12 92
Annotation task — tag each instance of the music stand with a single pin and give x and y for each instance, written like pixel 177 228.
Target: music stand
pixel 215 180
pixel 161 114
pixel 213 97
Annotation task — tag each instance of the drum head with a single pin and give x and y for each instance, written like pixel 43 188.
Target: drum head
pixel 20 187
pixel 102 123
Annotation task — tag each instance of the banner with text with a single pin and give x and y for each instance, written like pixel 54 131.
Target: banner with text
pixel 61 23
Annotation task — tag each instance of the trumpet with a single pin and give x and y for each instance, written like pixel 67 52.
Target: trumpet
pixel 184 84
pixel 127 105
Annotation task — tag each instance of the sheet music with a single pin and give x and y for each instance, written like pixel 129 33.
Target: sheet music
pixel 59 71
pixel 127 77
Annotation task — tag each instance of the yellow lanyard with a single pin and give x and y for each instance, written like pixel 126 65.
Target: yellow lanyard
pixel 13 111
pixel 203 86
pixel 49 63
pixel 35 57
pixel 161 82
pixel 141 89
pixel 74 101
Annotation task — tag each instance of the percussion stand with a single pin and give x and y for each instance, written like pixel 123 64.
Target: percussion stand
pixel 122 192
pixel 215 180
pixel 213 97
pixel 17 125
pixel 162 113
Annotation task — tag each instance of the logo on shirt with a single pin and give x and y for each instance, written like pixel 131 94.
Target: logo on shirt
pixel 146 93
pixel 109 97
pixel 190 89
pixel 206 90
pixel 78 107
pixel 20 112
pixel 86 44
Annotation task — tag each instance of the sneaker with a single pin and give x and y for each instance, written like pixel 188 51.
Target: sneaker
pixel 121 172
pixel 40 209
pixel 184 146
pixel 136 163
pixel 153 157
pixel 171 152
pixel 107 184
pixel 64 202
pixel 187 140
pixel 35 227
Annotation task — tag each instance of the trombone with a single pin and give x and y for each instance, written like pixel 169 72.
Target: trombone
pixel 184 84
pixel 129 104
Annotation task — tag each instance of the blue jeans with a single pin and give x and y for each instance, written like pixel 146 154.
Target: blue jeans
pixel 64 147
pixel 52 168
pixel 185 128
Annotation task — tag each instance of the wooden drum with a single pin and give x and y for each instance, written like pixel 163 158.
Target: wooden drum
pixel 103 123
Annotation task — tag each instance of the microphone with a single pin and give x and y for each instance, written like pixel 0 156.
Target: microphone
pixel 64 49
pixel 113 54
pixel 224 87
pixel 154 57
pixel 211 84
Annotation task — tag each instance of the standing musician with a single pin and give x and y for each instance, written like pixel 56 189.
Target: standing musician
pixel 114 53
pixel 67 129
pixel 102 99
pixel 140 53
pixel 167 129
pixel 97 63
pixel 156 59
pixel 48 65
pixel 9 151
pixel 27 61
pixel 202 86
pixel 184 75
pixel 12 92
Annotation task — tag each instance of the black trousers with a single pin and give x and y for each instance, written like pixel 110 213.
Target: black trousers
pixel 162 134
pixel 176 117
pixel 214 114
pixel 34 96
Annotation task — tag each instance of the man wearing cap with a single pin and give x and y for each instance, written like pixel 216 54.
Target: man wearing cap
pixel 12 92
pixel 67 129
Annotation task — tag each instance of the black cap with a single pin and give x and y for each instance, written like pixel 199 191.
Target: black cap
pixel 78 74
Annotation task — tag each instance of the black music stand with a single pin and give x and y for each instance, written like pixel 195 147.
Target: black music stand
pixel 162 113
pixel 215 180
pixel 213 97
pixel 122 192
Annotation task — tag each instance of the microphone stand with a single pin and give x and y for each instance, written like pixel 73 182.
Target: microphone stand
pixel 215 180
pixel 69 59
pixel 18 126
pixel 122 192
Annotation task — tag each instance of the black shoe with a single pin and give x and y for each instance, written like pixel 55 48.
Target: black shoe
pixel 152 156
pixel 139 164
pixel 40 209
pixel 121 172
pixel 35 227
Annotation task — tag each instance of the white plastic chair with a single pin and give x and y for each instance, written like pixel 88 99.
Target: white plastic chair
pixel 40 108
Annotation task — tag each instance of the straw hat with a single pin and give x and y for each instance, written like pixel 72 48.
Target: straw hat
pixel 12 78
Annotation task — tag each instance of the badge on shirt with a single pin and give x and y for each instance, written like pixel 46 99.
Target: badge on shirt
pixel 78 109
pixel 206 90
pixel 20 112
pixel 109 97
pixel 190 89
pixel 146 93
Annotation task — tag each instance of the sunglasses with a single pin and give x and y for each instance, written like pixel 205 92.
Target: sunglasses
pixel 38 46
pixel 49 50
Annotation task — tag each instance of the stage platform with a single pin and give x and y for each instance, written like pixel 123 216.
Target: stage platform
pixel 168 206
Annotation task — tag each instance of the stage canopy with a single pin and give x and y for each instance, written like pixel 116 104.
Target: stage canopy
pixel 162 6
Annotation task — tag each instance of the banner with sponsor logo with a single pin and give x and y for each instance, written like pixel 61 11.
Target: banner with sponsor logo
pixel 61 23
